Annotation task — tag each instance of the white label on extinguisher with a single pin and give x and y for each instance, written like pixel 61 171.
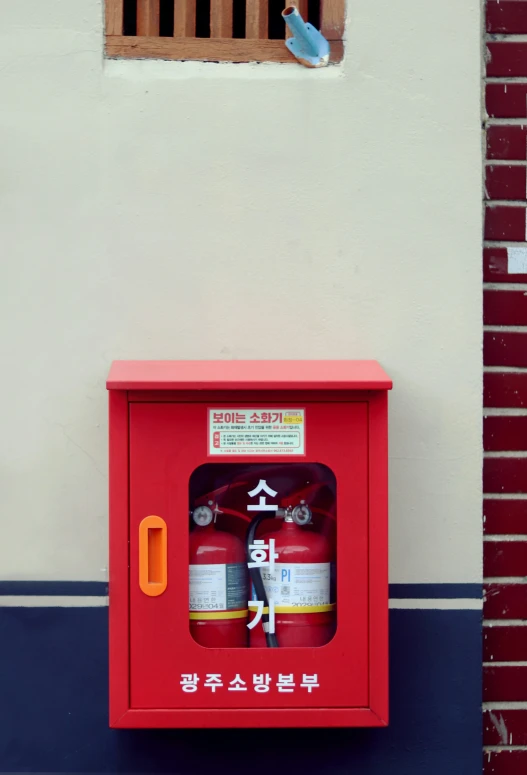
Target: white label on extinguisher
pixel 217 587
pixel 298 583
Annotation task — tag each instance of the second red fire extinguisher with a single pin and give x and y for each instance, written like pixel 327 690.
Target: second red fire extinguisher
pixel 297 584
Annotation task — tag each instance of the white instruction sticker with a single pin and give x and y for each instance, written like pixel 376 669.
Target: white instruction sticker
pixel 217 587
pixel 207 588
pixel 298 583
pixel 256 432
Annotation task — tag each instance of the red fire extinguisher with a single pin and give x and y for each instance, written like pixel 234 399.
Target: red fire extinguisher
pixel 299 585
pixel 218 590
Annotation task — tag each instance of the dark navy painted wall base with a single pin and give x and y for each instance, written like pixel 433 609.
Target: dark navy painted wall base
pixel 53 708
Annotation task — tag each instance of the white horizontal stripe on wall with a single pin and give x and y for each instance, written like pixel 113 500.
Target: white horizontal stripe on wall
pixel 50 601
pixel 461 604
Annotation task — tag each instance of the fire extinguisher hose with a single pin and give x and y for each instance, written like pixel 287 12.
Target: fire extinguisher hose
pixel 256 578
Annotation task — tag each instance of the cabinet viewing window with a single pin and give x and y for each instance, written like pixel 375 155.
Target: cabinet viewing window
pixel 215 30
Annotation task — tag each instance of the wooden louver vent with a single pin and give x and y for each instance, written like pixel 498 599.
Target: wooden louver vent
pixel 214 30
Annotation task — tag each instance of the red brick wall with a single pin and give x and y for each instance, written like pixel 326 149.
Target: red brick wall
pixel 505 391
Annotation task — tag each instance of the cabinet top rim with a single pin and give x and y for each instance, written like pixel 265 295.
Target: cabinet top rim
pixel 248 375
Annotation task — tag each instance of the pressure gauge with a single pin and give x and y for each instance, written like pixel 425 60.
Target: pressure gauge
pixel 301 514
pixel 202 516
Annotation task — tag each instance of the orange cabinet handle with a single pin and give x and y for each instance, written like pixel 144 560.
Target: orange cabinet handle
pixel 153 556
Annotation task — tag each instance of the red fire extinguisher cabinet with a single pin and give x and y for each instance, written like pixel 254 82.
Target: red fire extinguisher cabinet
pixel 258 435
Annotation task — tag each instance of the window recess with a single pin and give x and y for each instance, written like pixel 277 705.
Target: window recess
pixel 215 30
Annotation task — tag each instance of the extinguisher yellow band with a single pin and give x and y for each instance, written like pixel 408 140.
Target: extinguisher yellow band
pixel 206 615
pixel 296 609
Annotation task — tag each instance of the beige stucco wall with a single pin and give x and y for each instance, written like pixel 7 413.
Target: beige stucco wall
pixel 184 210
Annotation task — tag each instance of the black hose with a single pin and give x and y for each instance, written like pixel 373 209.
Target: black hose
pixel 256 577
